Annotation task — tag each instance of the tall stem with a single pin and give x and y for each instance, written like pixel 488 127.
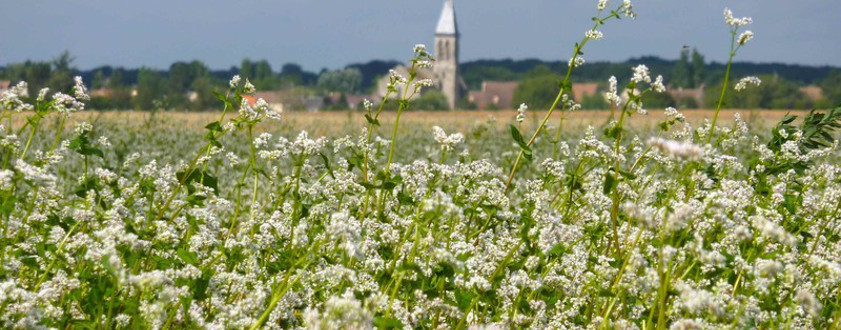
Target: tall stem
pixel 724 86
pixel 564 85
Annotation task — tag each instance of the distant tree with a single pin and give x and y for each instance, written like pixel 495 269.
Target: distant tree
pixel 61 78
pixel 262 70
pixel 151 87
pixel 431 99
pixel 344 81
pixel 681 74
pixel 538 89
pixel 204 87
pixel 180 77
pixel 99 80
pixel 594 102
pixel 289 69
pixel 831 87
pixel 246 69
pixel 36 74
pixel 774 93
pixel 372 70
pixel 117 78
pixel 698 69
pixel 687 103
pixel 658 101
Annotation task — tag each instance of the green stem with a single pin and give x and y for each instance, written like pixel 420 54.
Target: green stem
pixel 723 87
pixel 565 84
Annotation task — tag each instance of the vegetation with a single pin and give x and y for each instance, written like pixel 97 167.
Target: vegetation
pixel 512 225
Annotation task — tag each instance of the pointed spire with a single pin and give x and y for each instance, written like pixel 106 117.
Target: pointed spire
pixel 447 23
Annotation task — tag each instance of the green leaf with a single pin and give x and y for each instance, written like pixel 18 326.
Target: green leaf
pixel 610 183
pixel 220 97
pixel 405 199
pixel 372 120
pixel 387 323
pixel 188 257
pixel 214 126
pixel 627 175
pixel 515 134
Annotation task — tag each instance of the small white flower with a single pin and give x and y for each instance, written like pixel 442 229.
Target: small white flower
pixel 235 81
pixel 576 61
pixel 521 112
pixel 103 141
pixel 743 83
pixel 42 94
pixel 249 88
pixel 745 37
pixel 79 90
pixel 628 9
pixel 602 5
pixel 641 74
pixel 658 86
pixel 735 22
pixel 447 142
pixel 594 35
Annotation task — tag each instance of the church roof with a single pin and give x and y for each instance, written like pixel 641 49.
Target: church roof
pixel 447 22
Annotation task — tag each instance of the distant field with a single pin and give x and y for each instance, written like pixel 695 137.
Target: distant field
pixel 326 122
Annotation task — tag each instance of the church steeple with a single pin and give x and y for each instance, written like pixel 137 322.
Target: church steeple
pixel 447 23
pixel 446 54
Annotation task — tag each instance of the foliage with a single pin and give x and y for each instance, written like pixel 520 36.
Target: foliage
pixel 431 99
pixel 242 225
pixel 343 81
pixel 538 89
pixel 773 93
pixel 831 87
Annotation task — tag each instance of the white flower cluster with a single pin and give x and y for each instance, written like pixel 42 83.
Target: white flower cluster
pixel 744 82
pixel 678 149
pixel 447 142
pixel 594 34
pixel 521 112
pixel 735 22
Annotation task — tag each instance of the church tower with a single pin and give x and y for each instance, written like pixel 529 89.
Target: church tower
pixel 446 54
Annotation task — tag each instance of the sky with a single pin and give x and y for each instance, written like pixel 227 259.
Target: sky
pixel 333 33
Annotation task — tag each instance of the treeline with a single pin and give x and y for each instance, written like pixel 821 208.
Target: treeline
pixel 678 72
pixel 190 85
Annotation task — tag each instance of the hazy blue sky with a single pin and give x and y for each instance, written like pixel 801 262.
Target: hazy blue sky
pixel 332 33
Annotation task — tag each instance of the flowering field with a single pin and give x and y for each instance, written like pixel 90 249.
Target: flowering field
pixel 511 223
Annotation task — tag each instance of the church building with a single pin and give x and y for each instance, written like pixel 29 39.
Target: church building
pixel 445 71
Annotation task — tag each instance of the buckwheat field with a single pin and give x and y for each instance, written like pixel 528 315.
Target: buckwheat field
pixel 251 223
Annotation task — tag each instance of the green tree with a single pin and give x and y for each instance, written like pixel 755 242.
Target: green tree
pixel 431 99
pixel 99 80
pixel 246 69
pixel 698 69
pixel 151 87
pixel 539 88
pixel 831 87
pixel 658 101
pixel 117 78
pixel 681 74
pixel 204 88
pixel 774 93
pixel 594 102
pixel 61 78
pixel 180 77
pixel 345 81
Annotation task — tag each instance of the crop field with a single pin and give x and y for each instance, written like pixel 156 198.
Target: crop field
pixel 327 122
pixel 562 219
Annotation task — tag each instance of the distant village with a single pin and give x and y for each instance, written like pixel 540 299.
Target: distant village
pixel 476 85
